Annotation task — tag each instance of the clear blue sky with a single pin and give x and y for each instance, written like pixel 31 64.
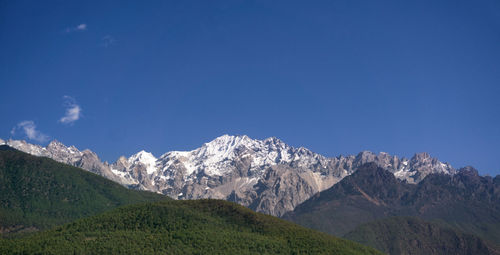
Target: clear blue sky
pixel 337 77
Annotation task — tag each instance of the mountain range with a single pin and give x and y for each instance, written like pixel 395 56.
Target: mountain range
pixel 267 176
pixel 397 205
pixel 78 212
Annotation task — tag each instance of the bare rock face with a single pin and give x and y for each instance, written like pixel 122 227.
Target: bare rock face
pixel 265 175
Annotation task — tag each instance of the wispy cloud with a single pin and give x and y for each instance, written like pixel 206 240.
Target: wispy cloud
pixel 73 111
pixel 107 41
pixel 28 127
pixel 81 27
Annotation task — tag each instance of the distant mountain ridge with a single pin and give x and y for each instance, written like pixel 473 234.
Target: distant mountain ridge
pixel 265 175
pixel 466 202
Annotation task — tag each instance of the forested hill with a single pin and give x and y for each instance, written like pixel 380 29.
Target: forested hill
pixel 182 227
pixel 38 193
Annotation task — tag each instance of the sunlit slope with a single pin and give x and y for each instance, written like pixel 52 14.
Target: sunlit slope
pixel 183 227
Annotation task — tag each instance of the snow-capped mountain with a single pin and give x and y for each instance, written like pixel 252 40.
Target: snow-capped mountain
pixel 85 159
pixel 266 175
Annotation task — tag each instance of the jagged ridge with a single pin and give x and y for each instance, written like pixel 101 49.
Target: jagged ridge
pixel 266 175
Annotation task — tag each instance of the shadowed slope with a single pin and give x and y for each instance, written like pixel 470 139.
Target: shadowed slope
pixel 466 201
pixel 409 235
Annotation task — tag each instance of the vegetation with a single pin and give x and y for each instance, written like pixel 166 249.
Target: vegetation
pixel 466 202
pixel 39 193
pixel 463 203
pixel 409 235
pixel 182 227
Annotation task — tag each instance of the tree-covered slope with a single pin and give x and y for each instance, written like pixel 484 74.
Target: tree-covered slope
pixel 368 194
pixel 465 201
pixel 182 227
pixel 409 235
pixel 38 193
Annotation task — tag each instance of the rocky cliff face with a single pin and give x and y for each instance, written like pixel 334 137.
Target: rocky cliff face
pixel 266 175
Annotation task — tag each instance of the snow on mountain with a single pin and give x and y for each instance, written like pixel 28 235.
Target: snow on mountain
pixel 216 157
pixel 265 175
pixel 32 149
pixel 145 158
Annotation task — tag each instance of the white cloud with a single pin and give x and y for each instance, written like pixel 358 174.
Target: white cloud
pixel 29 129
pixel 73 111
pixel 107 41
pixel 81 27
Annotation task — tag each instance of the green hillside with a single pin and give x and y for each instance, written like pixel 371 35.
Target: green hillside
pixel 409 235
pixel 38 193
pixel 182 227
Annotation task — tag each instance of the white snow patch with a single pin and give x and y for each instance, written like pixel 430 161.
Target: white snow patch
pixel 146 158
pixel 402 174
pixel 124 176
pixel 118 172
pixel 165 178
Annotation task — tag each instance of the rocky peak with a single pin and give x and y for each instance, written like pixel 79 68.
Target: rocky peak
pixel 61 153
pixel 90 154
pixel 468 173
pixel 422 164
pixel 144 158
pixel 55 144
pixel 421 157
pixel 32 149
pixel 122 162
pixel 275 143
pixel 373 174
pixel 122 159
pixel 303 151
pixel 226 142
pixel 365 157
pixel 223 147
pixel 468 170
